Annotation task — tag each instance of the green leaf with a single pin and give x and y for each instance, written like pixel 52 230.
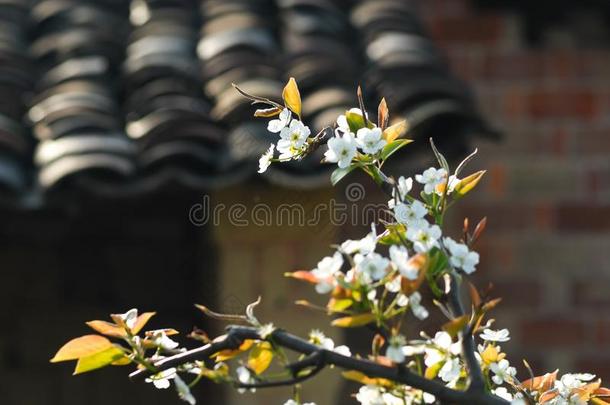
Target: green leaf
pixel 375 173
pixel 392 235
pixel 394 147
pixel 82 347
pixel 339 305
pixel 99 360
pixel 340 173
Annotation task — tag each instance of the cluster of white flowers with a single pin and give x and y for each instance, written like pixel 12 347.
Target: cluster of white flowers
pixel 567 389
pixel 343 147
pixel 293 139
pixel 317 337
pixel 375 395
pixel 370 270
pixel 444 352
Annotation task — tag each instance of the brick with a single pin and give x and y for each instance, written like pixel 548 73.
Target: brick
pixel 563 103
pixel 581 217
pixel 524 294
pixel 593 293
pixel 481 29
pixel 552 332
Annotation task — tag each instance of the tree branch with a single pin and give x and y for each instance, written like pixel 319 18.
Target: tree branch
pixel 237 334
pixel 477 382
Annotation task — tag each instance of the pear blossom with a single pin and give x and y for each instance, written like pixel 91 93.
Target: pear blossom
pixel 342 125
pixel 265 161
pixel 411 214
pixel 418 310
pixel 569 382
pixel 503 393
pixel 364 246
pixel 244 376
pixel 490 335
pixel 394 284
pixel 394 350
pixel 431 178
pixel 341 150
pixel 440 349
pixel 317 337
pixel 374 265
pixel 370 140
pixel 450 371
pixel 461 257
pixel 266 330
pixel 404 187
pixel 162 380
pixel 326 271
pixel 277 125
pixel 161 340
pixel 292 139
pixel 502 372
pixel 293 402
pixel 373 395
pixel 184 392
pixel 130 318
pixel 424 238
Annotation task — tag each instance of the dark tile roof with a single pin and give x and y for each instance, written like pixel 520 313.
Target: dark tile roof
pixel 120 97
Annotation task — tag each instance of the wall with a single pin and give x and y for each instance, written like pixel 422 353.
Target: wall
pixel 547 193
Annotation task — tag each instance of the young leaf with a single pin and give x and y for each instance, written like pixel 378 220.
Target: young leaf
pixel 383 115
pixel 107 328
pixel 353 321
pixel 366 380
pixel 99 360
pixel 395 131
pixel 228 354
pixel 339 305
pixel 456 325
pixel 355 121
pixel 292 96
pixel 82 347
pixel 468 183
pixel 394 147
pixel 361 105
pixel 465 162
pixel 267 112
pixel 260 357
pixel 340 173
pixel 142 321
pixel 303 275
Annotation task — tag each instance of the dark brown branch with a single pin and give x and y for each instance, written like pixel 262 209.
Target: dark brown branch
pixel 477 382
pixel 401 375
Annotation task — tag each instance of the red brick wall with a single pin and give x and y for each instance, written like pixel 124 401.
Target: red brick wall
pixel 547 194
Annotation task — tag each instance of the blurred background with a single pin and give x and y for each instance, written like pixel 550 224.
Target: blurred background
pixel 120 133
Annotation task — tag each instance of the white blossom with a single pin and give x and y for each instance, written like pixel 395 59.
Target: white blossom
pixel 568 382
pixel 364 246
pixel 370 140
pixel 418 310
pixel 431 178
pixel 411 214
pixel 400 260
pixel 374 265
pixel 277 125
pixel 450 371
pixel 424 238
pixel 502 372
pixel 266 330
pixel 394 350
pixel 244 376
pixel 293 402
pixel 342 125
pixel 404 187
pixel 341 150
pixel 325 272
pixel 503 393
pixel 292 139
pixel 460 256
pixel 184 392
pixel 160 339
pixel 130 317
pixel 394 285
pixel 317 337
pixel 490 335
pixel 162 380
pixel 373 395
pixel 265 161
